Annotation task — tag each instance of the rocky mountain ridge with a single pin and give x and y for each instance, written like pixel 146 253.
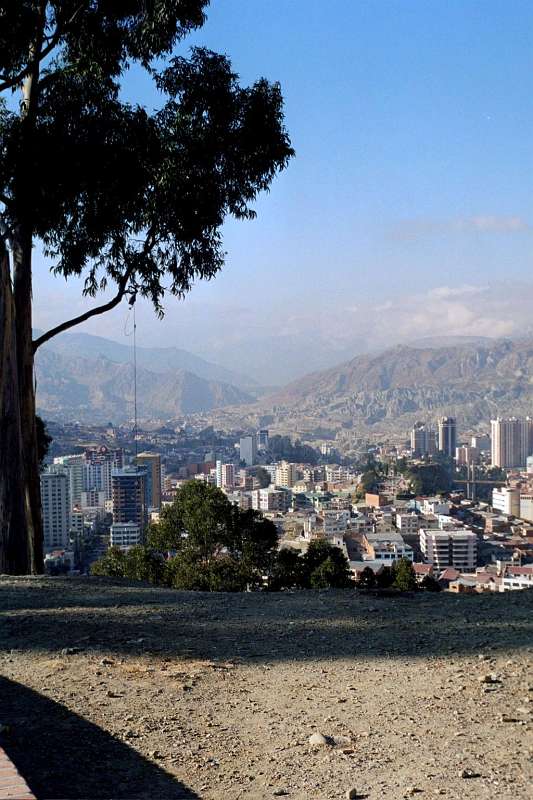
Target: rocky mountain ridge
pixel 474 382
pixel 97 389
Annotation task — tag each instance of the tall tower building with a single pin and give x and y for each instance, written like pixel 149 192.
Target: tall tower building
pixel 423 440
pixel 55 502
pixel 447 436
pixel 248 449
pixel 129 496
pixel 152 462
pixel 511 441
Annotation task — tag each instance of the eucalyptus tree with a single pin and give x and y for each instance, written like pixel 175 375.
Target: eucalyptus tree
pixel 130 199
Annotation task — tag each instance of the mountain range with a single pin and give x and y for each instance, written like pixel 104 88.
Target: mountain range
pixel 90 378
pixel 473 381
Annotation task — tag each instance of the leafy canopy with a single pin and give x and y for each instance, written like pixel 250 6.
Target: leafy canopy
pixel 114 191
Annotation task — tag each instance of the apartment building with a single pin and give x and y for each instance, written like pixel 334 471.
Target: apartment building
pixel 449 548
pixel 506 500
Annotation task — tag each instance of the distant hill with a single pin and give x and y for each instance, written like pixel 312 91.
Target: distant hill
pixel 473 381
pixel 155 359
pixel 99 389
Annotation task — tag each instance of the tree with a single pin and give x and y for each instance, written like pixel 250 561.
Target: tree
pixel 384 578
pixel 217 544
pixel 335 574
pixel 122 197
pixel 112 564
pixel 263 477
pixel 142 563
pixel 404 576
pixel 288 570
pixel 366 579
pixel 430 584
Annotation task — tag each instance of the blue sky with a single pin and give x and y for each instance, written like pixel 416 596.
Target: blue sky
pixel 407 211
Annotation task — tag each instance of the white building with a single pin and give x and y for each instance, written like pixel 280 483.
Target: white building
pixel 286 474
pixel 270 499
pixel 408 523
pixel 125 535
pixel 516 578
pixel 55 501
pixel 526 507
pixel 506 500
pixel 386 547
pixel 451 548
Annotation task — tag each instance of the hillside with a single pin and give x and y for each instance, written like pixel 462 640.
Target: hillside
pixel 98 389
pixel 115 690
pixel 474 382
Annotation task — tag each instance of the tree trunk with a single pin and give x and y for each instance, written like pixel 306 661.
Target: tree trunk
pixel 14 541
pixel 22 251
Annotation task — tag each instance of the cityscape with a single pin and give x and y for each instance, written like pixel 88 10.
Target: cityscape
pixel 266 400
pixel 473 533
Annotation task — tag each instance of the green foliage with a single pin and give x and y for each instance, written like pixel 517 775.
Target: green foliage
pixel 224 574
pixel 142 563
pixel 330 574
pixel 288 570
pixel 384 578
pixel 118 194
pixel 263 477
pixel 404 576
pixel 430 584
pixel 337 573
pixel 112 564
pixel 366 579
pixel 427 479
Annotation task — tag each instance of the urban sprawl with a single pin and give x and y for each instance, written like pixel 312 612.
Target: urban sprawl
pixel 459 508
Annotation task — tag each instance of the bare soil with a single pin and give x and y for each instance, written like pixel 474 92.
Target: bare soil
pixel 114 690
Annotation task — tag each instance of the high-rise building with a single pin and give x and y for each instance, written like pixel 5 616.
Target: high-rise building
pixel 225 475
pixel 152 462
pixel 55 502
pixel 100 463
pixel 511 442
pixel 125 535
pixel 286 474
pixel 74 466
pixel 262 439
pixel 447 436
pixel 248 449
pixel 129 496
pixel 423 440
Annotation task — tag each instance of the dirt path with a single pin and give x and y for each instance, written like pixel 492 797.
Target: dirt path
pixel 118 691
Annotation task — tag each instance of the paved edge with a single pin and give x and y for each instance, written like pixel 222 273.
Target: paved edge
pixel 12 784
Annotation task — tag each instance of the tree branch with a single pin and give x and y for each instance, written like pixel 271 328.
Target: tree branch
pixel 70 323
pixel 52 41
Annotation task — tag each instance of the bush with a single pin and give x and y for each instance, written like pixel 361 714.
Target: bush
pixel 430 584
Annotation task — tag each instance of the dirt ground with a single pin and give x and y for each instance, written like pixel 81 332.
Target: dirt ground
pixel 114 690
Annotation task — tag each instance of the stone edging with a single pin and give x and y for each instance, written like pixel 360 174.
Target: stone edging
pixel 12 784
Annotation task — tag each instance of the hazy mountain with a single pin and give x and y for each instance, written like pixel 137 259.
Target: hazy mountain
pixel 98 389
pixel 472 381
pixel 155 359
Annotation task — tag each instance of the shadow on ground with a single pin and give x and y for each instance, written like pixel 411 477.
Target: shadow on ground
pixel 103 616
pixel 62 755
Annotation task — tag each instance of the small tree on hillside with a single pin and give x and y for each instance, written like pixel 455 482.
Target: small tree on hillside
pixel 366 580
pixel 404 576
pixel 337 571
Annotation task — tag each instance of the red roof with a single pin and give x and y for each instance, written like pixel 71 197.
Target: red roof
pixel 423 569
pixel 449 574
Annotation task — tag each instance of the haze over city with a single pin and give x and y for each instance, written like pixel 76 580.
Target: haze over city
pixel 407 211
